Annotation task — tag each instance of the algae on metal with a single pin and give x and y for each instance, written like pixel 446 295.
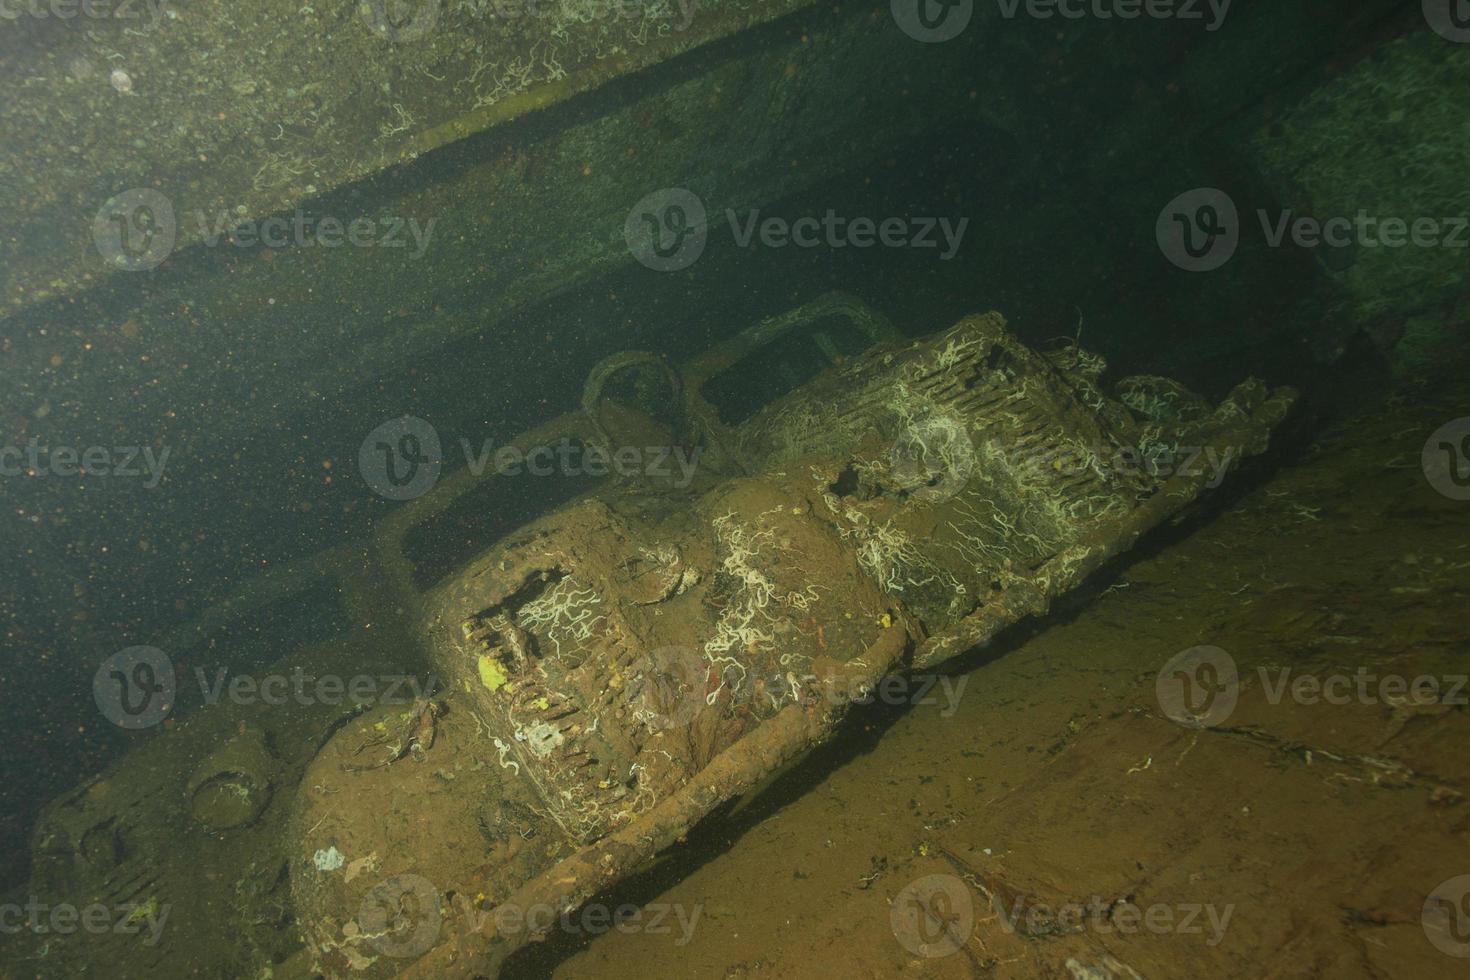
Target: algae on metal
pixel 1386 142
pixel 251 109
pixel 517 219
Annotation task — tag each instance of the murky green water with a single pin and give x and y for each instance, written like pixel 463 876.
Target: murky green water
pixel 453 451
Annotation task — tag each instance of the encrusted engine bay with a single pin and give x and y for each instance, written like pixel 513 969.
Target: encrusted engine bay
pixel 614 670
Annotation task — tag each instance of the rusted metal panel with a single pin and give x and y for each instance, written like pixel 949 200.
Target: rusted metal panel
pixel 249 109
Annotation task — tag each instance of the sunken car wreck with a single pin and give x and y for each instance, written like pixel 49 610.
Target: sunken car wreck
pixel 616 669
pixel 603 676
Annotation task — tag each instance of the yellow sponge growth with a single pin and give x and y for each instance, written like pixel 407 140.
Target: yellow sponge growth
pixel 492 675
